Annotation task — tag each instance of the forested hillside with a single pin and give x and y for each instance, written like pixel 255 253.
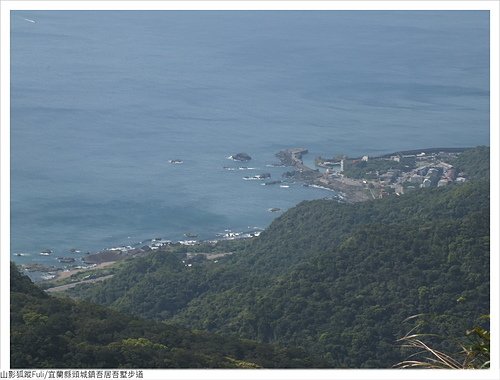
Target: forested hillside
pixel 474 163
pixel 48 332
pixel 335 279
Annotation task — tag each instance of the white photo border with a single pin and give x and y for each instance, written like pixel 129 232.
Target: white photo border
pixel 490 5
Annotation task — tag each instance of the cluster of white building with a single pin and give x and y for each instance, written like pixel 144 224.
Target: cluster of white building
pixel 431 173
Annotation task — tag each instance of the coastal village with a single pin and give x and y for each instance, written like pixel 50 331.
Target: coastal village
pixel 364 178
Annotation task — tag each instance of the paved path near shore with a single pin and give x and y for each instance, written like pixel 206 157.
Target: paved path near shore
pixel 62 288
pixel 69 273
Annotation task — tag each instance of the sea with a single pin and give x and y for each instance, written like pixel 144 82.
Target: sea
pixel 101 101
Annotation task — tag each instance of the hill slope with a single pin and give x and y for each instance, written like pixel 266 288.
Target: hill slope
pixel 335 279
pixel 48 332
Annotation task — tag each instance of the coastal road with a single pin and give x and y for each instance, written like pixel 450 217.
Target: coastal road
pixel 62 288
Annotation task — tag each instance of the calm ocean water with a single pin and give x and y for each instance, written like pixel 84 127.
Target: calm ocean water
pixel 100 101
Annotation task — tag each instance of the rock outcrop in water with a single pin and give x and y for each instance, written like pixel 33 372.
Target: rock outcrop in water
pixel 241 157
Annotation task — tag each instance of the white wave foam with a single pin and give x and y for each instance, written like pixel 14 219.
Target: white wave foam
pixel 322 187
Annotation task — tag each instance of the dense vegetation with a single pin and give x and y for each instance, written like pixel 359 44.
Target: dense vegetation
pixel 472 350
pixel 335 279
pixel 48 332
pixel 474 163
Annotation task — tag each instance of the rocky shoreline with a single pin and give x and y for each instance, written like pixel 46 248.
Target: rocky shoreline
pixel 109 256
pixel 348 190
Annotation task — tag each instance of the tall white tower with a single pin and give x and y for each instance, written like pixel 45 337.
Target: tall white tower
pixel 341 165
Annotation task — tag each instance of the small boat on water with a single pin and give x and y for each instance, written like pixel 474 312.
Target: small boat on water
pixel 273 209
pixel 46 252
pixel 176 161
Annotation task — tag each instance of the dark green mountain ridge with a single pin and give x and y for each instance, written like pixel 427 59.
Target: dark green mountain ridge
pixel 49 332
pixel 335 279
